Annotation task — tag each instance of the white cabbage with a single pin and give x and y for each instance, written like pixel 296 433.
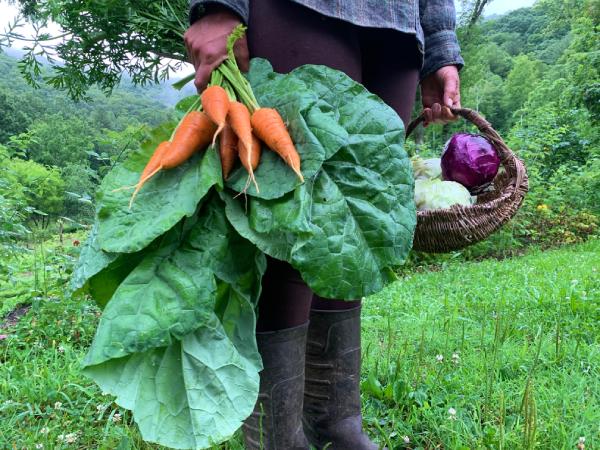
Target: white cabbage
pixel 437 194
pixel 426 169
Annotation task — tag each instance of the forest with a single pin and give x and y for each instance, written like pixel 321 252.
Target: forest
pixel 509 360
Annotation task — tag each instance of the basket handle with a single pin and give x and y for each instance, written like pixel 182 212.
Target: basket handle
pixel 485 128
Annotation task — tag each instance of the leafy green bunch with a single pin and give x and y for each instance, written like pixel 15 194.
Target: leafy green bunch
pixel 179 274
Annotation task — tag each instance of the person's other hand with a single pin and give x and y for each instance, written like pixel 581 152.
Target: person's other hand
pixel 440 91
pixel 206 43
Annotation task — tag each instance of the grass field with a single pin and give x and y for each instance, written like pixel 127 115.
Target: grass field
pixel 493 354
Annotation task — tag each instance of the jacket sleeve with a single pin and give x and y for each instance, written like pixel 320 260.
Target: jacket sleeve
pixel 240 7
pixel 438 20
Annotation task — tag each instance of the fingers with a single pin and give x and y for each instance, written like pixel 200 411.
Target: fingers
pixel 202 77
pixel 438 114
pixel 242 55
pixel 204 71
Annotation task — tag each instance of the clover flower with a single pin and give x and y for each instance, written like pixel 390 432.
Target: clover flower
pixel 451 413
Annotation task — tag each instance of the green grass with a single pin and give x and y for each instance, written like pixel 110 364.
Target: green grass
pixel 524 331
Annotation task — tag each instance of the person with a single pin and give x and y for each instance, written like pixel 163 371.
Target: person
pixel 310 346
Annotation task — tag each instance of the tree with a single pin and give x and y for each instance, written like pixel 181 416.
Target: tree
pixel 40 188
pixel 104 40
pixel 521 80
pixel 13 120
pixel 472 11
pixel 59 140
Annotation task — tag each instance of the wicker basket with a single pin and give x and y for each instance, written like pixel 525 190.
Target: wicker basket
pixel 445 230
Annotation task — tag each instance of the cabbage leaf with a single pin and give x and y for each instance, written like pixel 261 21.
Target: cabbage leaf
pixel 175 344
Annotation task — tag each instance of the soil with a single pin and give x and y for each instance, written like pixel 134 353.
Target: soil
pixel 11 319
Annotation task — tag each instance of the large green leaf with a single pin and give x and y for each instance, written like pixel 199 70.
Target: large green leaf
pixel 347 227
pixel 99 273
pixel 176 343
pixel 163 201
pixel 92 260
pixel 191 394
pixel 173 289
pixel 312 123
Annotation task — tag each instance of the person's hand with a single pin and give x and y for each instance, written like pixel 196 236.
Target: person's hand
pixel 206 43
pixel 440 91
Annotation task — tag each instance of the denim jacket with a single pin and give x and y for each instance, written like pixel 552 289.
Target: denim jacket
pixel 431 21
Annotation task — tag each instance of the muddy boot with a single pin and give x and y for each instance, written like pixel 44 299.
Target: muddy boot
pixel 276 422
pixel 332 416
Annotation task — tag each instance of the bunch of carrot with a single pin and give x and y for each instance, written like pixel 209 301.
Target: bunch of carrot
pixel 240 127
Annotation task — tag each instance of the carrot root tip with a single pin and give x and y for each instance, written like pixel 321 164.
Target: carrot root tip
pixel 219 129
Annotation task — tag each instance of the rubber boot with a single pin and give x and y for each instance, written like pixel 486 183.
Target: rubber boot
pixel 332 416
pixel 276 422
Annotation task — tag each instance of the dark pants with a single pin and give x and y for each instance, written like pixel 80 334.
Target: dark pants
pixel 385 61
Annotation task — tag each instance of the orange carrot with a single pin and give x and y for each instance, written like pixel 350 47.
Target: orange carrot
pixel 215 103
pixel 194 133
pixel 152 167
pixel 154 162
pixel 228 150
pixel 252 159
pixel 268 125
pixel 239 119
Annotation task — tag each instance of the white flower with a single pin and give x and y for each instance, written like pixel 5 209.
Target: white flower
pixel 39 445
pixel 455 358
pixel 406 439
pixel 116 418
pixel 452 414
pixel 100 408
pixel 61 349
pixel 57 405
pixel 439 358
pixel 582 440
pixel 44 430
pixel 71 438
pixel 581 443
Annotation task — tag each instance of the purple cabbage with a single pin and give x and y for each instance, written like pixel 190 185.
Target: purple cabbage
pixel 471 160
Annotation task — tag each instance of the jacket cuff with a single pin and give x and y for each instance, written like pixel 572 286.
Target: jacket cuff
pixel 441 49
pixel 240 7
